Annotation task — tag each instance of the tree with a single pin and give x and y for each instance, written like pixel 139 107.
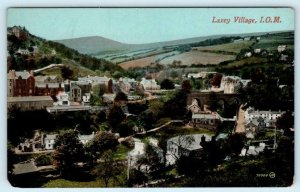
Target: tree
pixel 121 96
pixel 285 122
pixel 174 74
pixel 153 160
pixel 95 100
pixel 108 169
pixel 66 72
pixel 103 141
pixel 68 152
pixel 236 143
pixel 186 86
pixel 115 116
pixel 156 107
pixel 167 84
pixel 216 80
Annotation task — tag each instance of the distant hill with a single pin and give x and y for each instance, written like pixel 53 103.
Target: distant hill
pixel 93 44
pixel 98 44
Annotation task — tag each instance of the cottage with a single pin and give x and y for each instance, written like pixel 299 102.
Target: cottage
pixel 253 150
pixel 205 120
pixel 62 99
pixel 231 84
pixel 248 54
pixel 78 89
pixel 202 74
pixel 257 51
pixel 22 51
pixel 49 141
pixel 150 85
pixel 99 81
pixel 184 145
pixel 281 48
pixel 194 107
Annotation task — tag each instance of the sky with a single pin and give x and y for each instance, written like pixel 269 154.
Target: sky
pixel 143 25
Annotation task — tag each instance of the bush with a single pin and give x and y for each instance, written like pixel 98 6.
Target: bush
pixel 43 160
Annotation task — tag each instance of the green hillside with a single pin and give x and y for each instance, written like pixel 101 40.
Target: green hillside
pixel 43 52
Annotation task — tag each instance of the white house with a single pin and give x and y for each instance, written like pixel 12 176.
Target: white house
pixel 253 150
pixel 248 54
pixel 23 51
pixel 250 113
pixel 257 51
pixel 86 138
pixel 49 141
pixel 150 84
pixel 194 107
pixel 281 48
pixel 62 99
pixel 184 145
pixel 230 84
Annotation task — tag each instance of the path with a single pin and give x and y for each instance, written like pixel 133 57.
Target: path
pixel 160 127
pixel 240 123
pixel 48 67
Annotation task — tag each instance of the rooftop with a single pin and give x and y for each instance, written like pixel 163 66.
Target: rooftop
pixel 29 98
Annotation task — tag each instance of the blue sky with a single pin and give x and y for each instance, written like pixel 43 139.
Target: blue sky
pixel 143 25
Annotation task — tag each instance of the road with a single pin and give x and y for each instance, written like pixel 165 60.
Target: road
pixel 240 124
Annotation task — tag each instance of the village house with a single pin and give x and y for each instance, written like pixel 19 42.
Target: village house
pixel 99 81
pixel 62 99
pixel 139 151
pixel 253 150
pixel 248 54
pixel 247 38
pixel 78 89
pixel 22 51
pixel 250 113
pixel 266 118
pixel 150 85
pixel 48 85
pixel 185 145
pixel 49 140
pixel 205 120
pixel 257 51
pixel 202 74
pixel 231 84
pixel 20 83
pixel 30 145
pixel 127 84
pixel 194 107
pixel 281 48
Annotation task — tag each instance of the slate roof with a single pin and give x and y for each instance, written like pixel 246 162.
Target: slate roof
pixel 23 74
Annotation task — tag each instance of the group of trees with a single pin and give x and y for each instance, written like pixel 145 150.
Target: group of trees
pixel 97 155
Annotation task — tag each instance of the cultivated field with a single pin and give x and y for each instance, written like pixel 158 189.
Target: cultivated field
pixel 146 61
pixel 228 47
pixel 197 57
